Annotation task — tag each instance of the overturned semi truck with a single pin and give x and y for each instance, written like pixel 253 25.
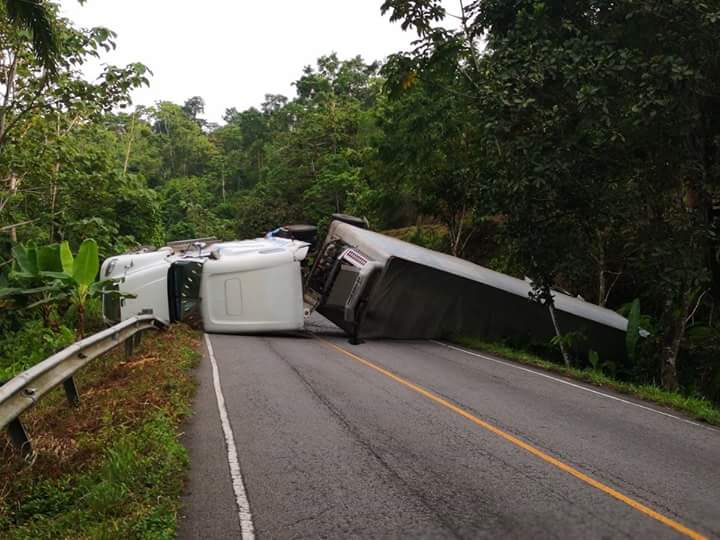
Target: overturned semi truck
pixel 368 284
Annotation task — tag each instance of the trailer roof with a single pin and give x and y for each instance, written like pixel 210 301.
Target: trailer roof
pixel 381 248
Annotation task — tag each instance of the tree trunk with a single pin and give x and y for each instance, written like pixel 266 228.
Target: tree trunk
pixel 222 179
pixel 129 144
pixel 675 322
pixel 602 283
pixel 13 190
pixel 10 75
pixel 53 199
pixel 455 229
pixel 563 349
pixel 605 285
pixel 54 184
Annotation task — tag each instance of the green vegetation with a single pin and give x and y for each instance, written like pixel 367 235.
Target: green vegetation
pixel 31 344
pixel 573 142
pixel 694 406
pixel 428 236
pixel 113 467
pixel 51 279
pixel 36 18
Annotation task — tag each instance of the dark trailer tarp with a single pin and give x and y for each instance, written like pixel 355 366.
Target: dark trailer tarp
pixel 373 286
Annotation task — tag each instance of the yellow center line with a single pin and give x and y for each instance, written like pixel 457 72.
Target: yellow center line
pixel 525 446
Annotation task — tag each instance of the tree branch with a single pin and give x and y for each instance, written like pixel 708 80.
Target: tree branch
pixel 22 113
pixel 15 225
pixel 697 306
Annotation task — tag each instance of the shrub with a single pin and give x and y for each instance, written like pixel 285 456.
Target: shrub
pixel 26 347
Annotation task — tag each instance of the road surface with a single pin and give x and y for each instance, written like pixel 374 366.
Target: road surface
pixel 416 439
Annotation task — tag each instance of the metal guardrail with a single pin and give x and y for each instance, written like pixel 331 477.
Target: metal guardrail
pixel 23 391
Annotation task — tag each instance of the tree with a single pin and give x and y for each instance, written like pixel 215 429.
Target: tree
pixel 305 159
pixel 194 107
pixel 28 91
pixel 45 122
pixel 532 175
pixel 599 127
pixel 432 149
pixel 37 17
pixel 182 145
pixel 187 210
pixel 78 278
pixel 242 140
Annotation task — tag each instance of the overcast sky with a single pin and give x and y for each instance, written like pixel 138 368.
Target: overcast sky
pixel 232 53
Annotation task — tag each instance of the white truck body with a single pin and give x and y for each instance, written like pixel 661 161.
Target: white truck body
pixel 253 286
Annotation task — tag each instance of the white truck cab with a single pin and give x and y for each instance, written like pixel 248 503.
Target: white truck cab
pixel 231 287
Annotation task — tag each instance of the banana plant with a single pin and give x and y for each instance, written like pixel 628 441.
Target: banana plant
pixel 77 277
pixel 30 288
pixel 54 276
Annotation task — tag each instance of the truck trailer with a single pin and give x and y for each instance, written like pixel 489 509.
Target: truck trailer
pixel 375 286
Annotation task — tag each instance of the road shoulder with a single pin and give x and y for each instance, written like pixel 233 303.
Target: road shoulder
pixel 208 507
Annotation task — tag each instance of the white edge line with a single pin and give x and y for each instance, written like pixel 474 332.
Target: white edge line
pixel 241 499
pixel 578 386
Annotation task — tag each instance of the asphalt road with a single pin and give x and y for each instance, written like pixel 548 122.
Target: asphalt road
pixel 414 439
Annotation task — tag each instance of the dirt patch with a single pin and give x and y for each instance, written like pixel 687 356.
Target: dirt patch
pixel 115 396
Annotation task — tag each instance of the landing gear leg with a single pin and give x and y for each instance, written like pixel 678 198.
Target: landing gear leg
pixel 354 339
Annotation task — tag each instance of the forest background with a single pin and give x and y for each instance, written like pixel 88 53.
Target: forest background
pixel 573 142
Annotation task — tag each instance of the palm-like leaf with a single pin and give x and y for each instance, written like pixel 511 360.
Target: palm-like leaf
pixel 26 260
pixel 35 16
pixel 66 258
pixel 60 276
pixel 50 299
pixel 87 263
pixel 48 258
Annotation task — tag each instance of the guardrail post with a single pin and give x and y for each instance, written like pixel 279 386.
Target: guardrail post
pixel 20 439
pixel 71 391
pixel 128 348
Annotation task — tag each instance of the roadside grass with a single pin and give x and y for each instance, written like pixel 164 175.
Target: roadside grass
pixel 113 467
pixel 696 407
